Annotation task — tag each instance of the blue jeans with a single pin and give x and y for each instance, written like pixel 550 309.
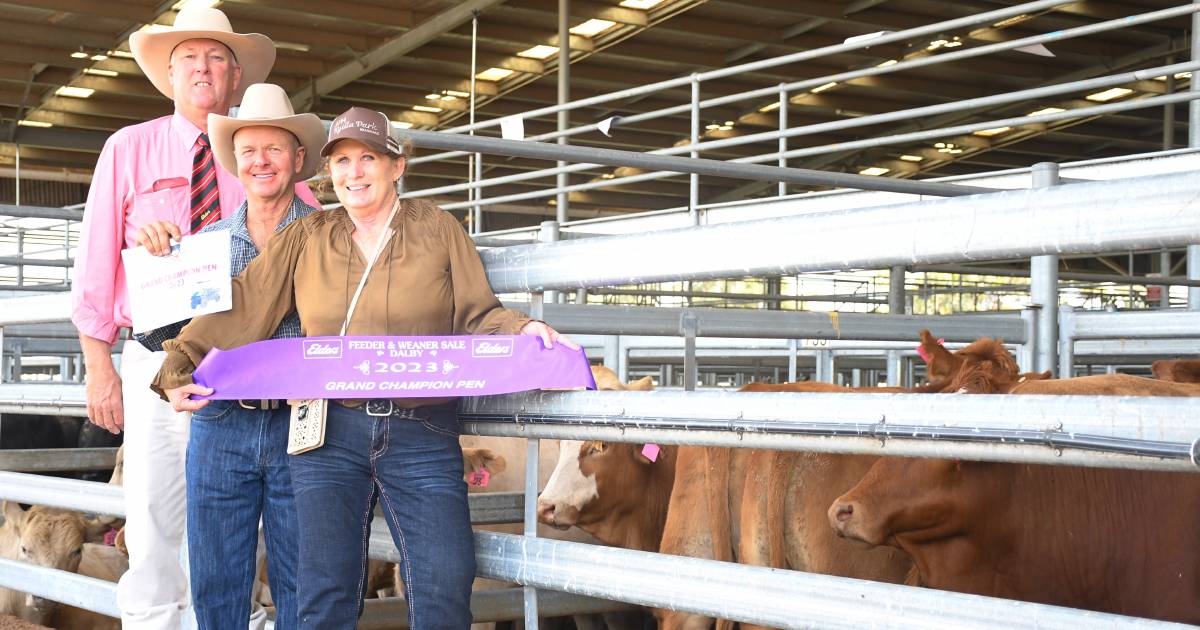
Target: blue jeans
pixel 415 466
pixel 237 471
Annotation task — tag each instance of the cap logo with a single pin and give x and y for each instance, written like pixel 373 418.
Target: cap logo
pixel 363 126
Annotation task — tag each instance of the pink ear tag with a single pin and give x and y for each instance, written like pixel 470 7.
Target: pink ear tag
pixel 479 478
pixel 922 353
pixel 650 452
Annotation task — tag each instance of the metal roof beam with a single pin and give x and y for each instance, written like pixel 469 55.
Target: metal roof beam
pixel 404 43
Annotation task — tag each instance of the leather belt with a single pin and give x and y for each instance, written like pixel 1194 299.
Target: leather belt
pixel 383 407
pixel 264 404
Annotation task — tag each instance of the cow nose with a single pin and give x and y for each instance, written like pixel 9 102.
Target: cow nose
pixel 845 511
pixel 545 512
pixel 840 515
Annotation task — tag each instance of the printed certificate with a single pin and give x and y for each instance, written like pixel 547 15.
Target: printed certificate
pixel 192 280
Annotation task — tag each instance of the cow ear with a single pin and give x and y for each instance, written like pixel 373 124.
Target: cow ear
pixel 644 384
pixel 13 513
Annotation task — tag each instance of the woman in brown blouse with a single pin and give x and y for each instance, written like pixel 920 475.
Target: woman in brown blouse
pixel 427 279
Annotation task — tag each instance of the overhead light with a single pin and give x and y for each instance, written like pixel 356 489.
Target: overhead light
pixel 79 54
pixel 712 127
pixel 427 108
pixel 1016 19
pixel 593 27
pixel 822 88
pixel 889 62
pixel 433 96
pixel 874 170
pixel 292 46
pixel 1178 75
pixel 541 51
pixel 449 97
pixel 1046 110
pixel 457 93
pixel 947 147
pixel 993 131
pixel 402 124
pixel 911 158
pixel 607 176
pixel 640 4
pixel 100 57
pixel 207 4
pixel 494 74
pixel 1109 94
pixel 770 107
pixel 34 123
pixel 864 37
pixel 74 92
pixel 124 54
pixel 101 73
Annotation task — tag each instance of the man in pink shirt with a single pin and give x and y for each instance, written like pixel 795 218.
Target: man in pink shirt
pixel 158 171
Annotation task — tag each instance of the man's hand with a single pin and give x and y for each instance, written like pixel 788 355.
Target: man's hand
pixel 104 405
pixel 156 237
pixel 180 400
pixel 549 335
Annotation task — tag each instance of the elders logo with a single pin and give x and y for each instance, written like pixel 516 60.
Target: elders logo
pixel 488 348
pixel 323 349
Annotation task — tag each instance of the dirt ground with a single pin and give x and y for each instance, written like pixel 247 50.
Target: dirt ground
pixel 9 622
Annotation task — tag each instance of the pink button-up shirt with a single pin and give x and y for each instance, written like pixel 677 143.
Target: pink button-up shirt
pixel 143 175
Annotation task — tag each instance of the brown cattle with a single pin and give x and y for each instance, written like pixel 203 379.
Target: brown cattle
pixel 1177 370
pixel 103 563
pixel 986 367
pixel 759 507
pixel 1116 541
pixel 1119 541
pixel 42 536
pixel 614 491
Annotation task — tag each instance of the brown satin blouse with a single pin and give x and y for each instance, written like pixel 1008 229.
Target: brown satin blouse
pixel 428 280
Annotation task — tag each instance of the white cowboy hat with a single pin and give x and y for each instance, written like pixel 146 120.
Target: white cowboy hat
pixel 255 53
pixel 267 105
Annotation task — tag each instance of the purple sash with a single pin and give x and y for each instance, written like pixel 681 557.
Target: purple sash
pixel 391 367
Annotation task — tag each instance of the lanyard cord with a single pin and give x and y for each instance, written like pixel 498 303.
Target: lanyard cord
pixel 362 282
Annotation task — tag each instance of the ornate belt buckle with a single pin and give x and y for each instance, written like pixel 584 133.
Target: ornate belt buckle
pixel 378 407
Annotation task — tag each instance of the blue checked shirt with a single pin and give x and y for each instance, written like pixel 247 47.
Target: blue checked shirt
pixel 241 251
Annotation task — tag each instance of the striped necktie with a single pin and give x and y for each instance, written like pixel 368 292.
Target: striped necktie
pixel 206 204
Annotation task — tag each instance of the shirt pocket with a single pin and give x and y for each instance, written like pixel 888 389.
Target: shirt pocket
pixel 166 200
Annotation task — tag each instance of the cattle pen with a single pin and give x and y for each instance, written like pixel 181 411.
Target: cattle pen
pixel 1147 202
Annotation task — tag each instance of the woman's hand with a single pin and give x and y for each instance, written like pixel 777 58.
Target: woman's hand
pixel 180 400
pixel 549 335
pixel 156 237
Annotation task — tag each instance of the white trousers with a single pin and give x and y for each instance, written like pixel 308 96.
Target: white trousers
pixel 153 593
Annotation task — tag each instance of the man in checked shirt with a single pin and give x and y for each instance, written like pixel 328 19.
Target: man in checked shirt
pixel 155 171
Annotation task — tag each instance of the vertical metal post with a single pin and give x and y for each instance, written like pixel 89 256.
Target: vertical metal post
pixel 1028 352
pixel 77 372
pixel 2 376
pixel 622 360
pixel 1164 263
pixel 532 446
pixel 694 179
pixel 564 95
pixel 688 325
pixel 792 360
pixel 894 368
pixel 537 310
pixel 581 295
pixel 20 254
pixel 1193 251
pixel 474 161
pixel 1044 284
pixel 783 141
pixel 548 233
pixel 896 290
pixel 856 377
pixel 1066 327
pixel 612 347
pixel 825 366
pixel 1168 132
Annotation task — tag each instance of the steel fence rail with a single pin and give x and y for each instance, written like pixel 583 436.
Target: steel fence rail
pixel 56 459
pixel 757 324
pixel 699 166
pixel 69 588
pixel 886 38
pixel 1080 218
pixel 944 132
pixel 1163 324
pixel 763 596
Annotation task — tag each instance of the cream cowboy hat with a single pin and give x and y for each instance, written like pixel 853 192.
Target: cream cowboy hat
pixel 267 105
pixel 255 53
